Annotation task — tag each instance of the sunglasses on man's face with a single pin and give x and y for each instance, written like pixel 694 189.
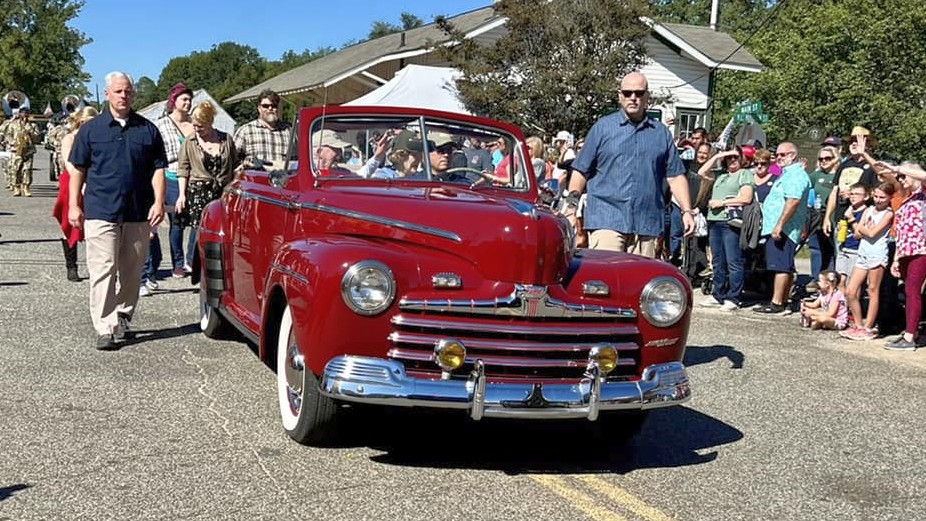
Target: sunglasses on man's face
pixel 268 105
pixel 631 93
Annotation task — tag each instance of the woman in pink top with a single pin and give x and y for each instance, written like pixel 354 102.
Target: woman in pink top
pixel 910 255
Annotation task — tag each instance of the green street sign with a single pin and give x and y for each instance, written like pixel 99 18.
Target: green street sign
pixel 754 107
pixel 763 118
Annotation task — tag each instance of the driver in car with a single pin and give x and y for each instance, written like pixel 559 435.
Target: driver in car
pixel 328 148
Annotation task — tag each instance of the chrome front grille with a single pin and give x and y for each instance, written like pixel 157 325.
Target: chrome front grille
pixel 512 345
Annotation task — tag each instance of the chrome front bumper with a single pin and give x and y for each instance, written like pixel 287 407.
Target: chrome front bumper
pixel 385 382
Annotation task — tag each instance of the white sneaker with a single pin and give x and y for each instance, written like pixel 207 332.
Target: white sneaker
pixel 729 305
pixel 710 302
pixel 152 285
pixel 143 291
pixel 187 268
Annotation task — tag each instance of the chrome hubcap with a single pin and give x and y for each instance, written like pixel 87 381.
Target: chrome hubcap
pixel 295 375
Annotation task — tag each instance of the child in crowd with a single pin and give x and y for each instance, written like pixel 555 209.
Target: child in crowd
pixel 848 247
pixel 873 230
pixel 828 310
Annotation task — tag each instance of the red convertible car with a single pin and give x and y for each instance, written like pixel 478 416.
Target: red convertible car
pixel 391 263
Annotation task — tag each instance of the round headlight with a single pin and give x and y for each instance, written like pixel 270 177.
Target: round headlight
pixel 368 287
pixel 663 301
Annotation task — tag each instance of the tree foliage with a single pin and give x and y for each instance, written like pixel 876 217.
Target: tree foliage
pixel 39 52
pixel 382 28
pixel 557 67
pixel 737 17
pixel 146 92
pixel 835 64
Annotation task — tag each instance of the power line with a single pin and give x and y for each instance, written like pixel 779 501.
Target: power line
pixel 765 22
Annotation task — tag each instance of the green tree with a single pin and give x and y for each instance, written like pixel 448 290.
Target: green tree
pixel 382 28
pixel 291 59
pixel 226 69
pixel 737 17
pixel 39 52
pixel 833 65
pixel 145 92
pixel 549 76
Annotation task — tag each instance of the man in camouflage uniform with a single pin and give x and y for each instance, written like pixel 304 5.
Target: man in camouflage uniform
pixel 4 162
pixel 21 137
pixel 53 138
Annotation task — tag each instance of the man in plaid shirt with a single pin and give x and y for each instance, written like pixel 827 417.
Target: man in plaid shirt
pixel 266 139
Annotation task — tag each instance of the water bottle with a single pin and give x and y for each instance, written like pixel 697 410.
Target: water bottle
pixel 842 231
pixel 818 202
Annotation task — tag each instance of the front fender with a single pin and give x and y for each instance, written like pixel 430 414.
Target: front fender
pixel 308 275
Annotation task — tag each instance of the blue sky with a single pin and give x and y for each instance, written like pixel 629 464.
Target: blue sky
pixel 148 34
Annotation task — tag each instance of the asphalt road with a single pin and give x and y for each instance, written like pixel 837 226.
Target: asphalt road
pixel 784 424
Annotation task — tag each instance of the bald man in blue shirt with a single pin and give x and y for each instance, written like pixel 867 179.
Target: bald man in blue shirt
pixel 626 157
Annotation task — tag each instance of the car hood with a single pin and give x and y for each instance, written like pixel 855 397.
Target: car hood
pixel 506 239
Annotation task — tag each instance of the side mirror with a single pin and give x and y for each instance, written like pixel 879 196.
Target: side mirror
pixel 278 178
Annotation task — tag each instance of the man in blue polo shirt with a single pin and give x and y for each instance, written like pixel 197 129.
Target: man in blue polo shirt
pixel 626 157
pixel 120 155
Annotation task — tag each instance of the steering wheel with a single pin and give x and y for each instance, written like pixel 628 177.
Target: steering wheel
pixel 472 175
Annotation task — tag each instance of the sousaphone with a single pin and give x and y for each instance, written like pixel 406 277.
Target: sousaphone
pixel 14 100
pixel 71 103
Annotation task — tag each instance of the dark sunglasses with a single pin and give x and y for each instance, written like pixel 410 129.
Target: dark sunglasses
pixel 629 93
pixel 825 158
pixel 762 163
pixel 268 105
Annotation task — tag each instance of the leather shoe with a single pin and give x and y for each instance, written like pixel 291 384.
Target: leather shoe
pixel 105 343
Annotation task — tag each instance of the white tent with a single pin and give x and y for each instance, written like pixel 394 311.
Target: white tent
pixel 418 86
pixel 222 122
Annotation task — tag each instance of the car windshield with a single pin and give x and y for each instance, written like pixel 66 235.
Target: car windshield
pixel 416 149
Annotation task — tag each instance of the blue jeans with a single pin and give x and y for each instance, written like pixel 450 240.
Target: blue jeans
pixel 822 254
pixel 175 235
pixel 729 274
pixel 676 232
pixel 153 262
pixel 191 244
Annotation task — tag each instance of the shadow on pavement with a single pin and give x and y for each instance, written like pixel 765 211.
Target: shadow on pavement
pixel 10 284
pixel 672 437
pixel 30 241
pixel 695 355
pixel 10 491
pixel 143 335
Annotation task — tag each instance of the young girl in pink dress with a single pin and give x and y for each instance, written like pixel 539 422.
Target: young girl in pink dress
pixel 829 310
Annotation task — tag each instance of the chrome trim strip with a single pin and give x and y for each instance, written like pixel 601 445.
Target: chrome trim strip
pixel 428 341
pixel 504 361
pixel 290 273
pixel 444 234
pixel 385 382
pixel 524 301
pixel 291 205
pixel 531 329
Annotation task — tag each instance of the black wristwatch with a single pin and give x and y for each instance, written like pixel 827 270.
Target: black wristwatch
pixel 572 199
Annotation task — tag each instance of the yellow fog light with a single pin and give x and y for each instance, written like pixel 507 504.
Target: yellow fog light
pixel 449 354
pixel 606 357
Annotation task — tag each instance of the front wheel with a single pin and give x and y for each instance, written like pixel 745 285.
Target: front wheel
pixel 308 416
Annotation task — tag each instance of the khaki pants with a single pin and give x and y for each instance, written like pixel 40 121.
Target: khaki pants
pixel 623 242
pixel 115 256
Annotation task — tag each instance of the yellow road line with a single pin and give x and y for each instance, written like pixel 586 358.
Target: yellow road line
pixel 578 499
pixel 625 499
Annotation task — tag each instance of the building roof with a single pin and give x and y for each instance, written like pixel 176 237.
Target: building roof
pixel 715 49
pixel 362 67
pixel 356 59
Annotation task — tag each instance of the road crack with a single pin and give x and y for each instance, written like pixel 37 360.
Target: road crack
pixel 189 358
